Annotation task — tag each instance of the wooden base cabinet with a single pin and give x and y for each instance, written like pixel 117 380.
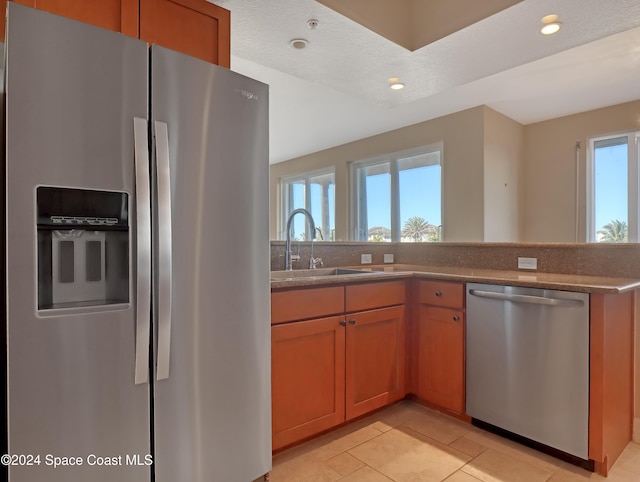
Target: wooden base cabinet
pixel 439 347
pixel 193 27
pixel 611 377
pixel 308 363
pixel 374 360
pixel 441 357
pixel 325 371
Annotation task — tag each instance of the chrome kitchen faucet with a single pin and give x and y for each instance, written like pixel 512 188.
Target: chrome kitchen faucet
pixel 312 226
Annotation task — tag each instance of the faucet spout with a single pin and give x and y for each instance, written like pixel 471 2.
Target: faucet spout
pixel 312 227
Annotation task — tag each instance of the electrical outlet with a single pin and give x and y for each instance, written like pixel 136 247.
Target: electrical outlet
pixel 365 259
pixel 527 263
pixel 388 258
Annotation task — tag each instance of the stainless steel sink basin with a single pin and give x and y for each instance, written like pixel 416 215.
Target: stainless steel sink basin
pixel 313 273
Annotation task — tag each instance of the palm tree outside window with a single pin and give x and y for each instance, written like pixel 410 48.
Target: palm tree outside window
pixel 613 185
pixel 398 197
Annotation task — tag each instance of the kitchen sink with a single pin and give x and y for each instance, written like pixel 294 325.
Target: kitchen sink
pixel 313 273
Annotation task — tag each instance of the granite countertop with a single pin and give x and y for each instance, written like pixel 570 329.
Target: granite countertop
pixel 567 282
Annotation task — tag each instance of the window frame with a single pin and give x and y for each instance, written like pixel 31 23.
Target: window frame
pixel 357 209
pixel 633 186
pixel 286 202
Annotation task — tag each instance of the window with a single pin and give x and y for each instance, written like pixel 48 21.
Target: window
pixel 314 191
pixel 398 197
pixel 612 189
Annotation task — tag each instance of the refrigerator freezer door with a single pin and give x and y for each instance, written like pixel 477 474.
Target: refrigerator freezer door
pixel 72 93
pixel 213 413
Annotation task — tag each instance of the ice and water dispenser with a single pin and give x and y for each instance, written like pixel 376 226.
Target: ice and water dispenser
pixel 83 247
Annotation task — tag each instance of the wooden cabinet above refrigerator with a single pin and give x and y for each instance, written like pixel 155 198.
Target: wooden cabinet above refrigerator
pixel 193 27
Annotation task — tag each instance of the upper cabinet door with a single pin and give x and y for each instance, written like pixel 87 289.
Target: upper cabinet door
pixel 194 27
pixel 117 15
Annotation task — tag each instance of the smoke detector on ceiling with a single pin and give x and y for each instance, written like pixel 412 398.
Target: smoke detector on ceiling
pixel 313 24
pixel 298 43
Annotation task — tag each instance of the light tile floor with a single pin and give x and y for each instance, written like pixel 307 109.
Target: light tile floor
pixel 408 442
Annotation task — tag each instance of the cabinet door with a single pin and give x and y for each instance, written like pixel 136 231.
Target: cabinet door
pixel 307 378
pixel 117 15
pixel 441 357
pixel 193 27
pixel 375 359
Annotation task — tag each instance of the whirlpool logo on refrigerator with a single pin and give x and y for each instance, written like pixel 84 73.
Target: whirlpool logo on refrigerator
pixel 247 94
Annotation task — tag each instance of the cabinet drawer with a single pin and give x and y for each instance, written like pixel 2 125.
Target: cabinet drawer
pixel 441 293
pixel 368 296
pixel 306 303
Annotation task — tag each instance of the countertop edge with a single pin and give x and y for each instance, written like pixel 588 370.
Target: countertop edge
pixel 566 282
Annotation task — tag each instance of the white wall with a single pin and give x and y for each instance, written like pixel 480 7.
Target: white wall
pixel 550 170
pixel 503 177
pixel 483 151
pixel 462 170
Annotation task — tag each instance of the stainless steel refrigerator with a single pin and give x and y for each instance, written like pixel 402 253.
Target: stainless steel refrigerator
pixel 136 260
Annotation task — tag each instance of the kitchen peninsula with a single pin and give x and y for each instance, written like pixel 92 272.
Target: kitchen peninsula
pixel 406 321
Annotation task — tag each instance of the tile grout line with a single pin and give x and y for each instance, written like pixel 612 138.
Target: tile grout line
pixel 473 457
pixel 357 458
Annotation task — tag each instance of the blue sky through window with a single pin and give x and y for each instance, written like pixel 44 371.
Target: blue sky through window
pixel 611 184
pixel 379 201
pixel 419 196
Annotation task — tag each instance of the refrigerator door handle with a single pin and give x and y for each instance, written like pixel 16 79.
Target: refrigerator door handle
pixel 143 249
pixel 164 249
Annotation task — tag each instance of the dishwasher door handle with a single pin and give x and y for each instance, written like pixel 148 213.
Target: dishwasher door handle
pixel 537 300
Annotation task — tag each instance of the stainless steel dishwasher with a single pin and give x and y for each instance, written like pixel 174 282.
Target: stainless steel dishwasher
pixel 527 363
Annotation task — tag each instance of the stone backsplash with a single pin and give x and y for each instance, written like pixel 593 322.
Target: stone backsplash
pixel 615 260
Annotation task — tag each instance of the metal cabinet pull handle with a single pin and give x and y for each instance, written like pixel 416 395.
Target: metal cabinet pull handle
pixel 352 322
pixel 538 300
pixel 343 323
pixel 438 293
pixel 456 318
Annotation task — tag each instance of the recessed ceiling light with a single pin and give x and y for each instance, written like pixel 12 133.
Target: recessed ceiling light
pixel 550 28
pixel 549 18
pixel 298 43
pixel 395 84
pixel 551 24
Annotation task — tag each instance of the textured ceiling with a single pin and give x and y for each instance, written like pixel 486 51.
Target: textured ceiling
pixel 336 89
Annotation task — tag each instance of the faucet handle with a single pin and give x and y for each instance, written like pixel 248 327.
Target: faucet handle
pixel 314 262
